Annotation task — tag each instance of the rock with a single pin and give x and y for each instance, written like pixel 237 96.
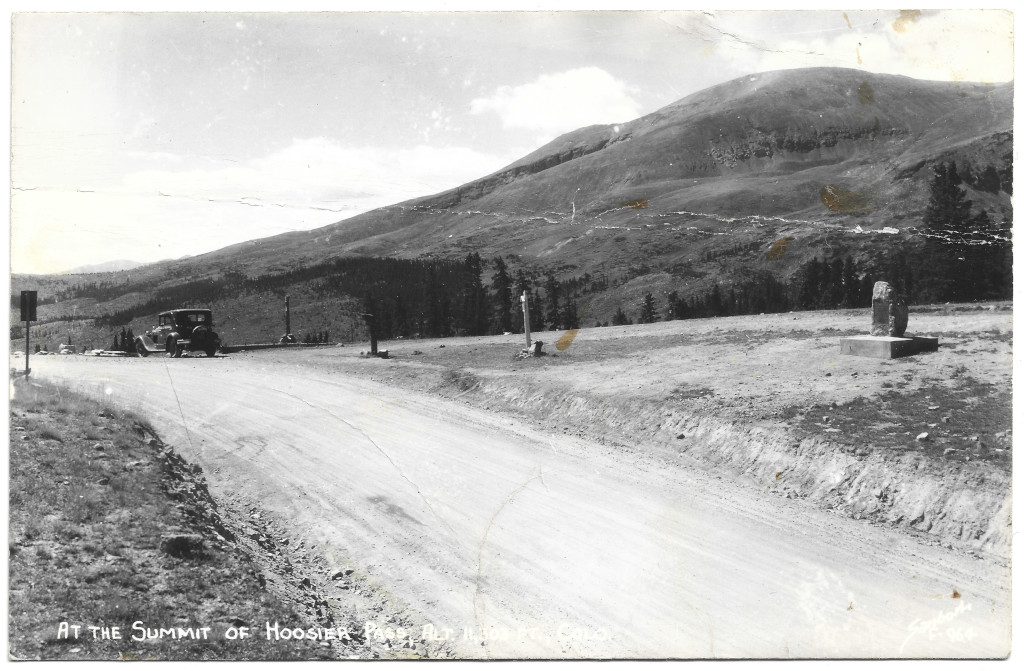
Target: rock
pixel 933 407
pixel 182 545
pixel 98 447
pixel 888 311
pixel 923 437
pixel 681 436
pixel 828 374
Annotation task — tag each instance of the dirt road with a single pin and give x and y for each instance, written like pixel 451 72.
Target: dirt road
pixel 519 543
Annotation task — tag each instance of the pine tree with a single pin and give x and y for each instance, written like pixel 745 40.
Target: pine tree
pixel 648 312
pixel 948 209
pixel 554 312
pixel 501 283
pixel 835 284
pixel 537 322
pixel 670 308
pixel 434 320
pixel 947 218
pixel 570 315
pixel 715 301
pixel 401 324
pixel 851 287
pixel 989 180
pixel 472 314
pixel 813 278
pixel 968 176
pixel 620 318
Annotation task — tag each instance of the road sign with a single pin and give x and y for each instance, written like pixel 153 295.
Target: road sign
pixel 28 315
pixel 28 306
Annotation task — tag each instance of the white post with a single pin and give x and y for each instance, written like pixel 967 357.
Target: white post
pixel 526 317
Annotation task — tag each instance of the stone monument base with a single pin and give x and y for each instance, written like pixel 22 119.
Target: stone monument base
pixel 887 347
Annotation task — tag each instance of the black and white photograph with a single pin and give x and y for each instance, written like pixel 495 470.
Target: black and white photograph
pixel 540 333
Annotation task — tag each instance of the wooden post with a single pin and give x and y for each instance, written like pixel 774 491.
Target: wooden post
pixel 526 316
pixel 28 315
pixel 287 316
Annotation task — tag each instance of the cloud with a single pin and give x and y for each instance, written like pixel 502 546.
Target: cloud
pixel 558 103
pixel 322 173
pixel 187 205
pixel 968 45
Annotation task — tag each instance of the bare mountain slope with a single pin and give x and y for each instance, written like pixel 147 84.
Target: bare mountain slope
pixel 762 145
pixel 692 195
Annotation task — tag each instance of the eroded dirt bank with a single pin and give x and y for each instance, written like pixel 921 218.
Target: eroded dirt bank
pixel 769 400
pixel 966 503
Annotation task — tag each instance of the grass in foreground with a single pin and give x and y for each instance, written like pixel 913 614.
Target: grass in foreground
pixel 88 511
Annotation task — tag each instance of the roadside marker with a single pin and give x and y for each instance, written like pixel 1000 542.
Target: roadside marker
pixel 28 315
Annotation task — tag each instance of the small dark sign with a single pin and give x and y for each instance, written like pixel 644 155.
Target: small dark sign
pixel 28 306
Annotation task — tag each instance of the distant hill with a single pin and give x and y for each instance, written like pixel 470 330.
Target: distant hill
pixel 105 267
pixel 836 163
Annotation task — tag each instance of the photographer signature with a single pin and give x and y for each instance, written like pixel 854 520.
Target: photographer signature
pixel 938 626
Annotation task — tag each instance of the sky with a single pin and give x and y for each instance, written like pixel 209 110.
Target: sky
pixel 148 136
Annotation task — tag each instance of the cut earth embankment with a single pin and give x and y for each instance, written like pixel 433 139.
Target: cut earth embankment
pixel 966 503
pixel 922 443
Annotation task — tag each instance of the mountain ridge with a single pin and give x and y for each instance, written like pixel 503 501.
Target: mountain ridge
pixel 692 195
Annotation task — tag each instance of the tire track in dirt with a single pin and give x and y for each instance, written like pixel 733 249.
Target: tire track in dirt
pixel 611 557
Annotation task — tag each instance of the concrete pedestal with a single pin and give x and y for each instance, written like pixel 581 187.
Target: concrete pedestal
pixel 887 347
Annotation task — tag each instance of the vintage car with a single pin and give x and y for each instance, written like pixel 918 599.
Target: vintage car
pixel 189 330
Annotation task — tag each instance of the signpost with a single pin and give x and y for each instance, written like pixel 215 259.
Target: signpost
pixel 28 315
pixel 526 317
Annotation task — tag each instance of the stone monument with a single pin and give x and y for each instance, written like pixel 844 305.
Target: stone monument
pixel 888 338
pixel 888 311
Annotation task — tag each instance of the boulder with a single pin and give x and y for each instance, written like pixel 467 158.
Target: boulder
pixel 888 311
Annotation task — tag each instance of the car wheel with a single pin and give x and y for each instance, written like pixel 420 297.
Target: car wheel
pixel 211 351
pixel 141 349
pixel 172 348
